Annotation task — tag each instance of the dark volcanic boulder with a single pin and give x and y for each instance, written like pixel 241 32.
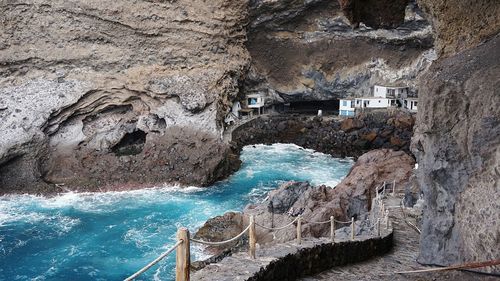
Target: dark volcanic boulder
pixel 346 137
pixel 222 228
pixel 282 199
pixel 351 124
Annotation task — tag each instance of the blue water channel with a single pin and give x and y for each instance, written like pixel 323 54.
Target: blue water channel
pixel 108 236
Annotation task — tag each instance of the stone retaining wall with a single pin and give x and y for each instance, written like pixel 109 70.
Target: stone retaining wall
pixel 309 261
pixel 290 261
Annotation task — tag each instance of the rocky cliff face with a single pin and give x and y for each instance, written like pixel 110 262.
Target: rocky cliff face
pixel 461 24
pixel 97 95
pixel 94 93
pixel 310 50
pixel 457 137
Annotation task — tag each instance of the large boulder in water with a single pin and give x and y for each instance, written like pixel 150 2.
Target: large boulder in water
pixel 282 199
pixel 221 228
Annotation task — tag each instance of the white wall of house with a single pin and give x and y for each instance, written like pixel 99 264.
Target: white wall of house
pixel 346 107
pixel 411 104
pixel 346 104
pixel 236 109
pixel 379 91
pixel 255 101
pixel 376 102
pixel 384 92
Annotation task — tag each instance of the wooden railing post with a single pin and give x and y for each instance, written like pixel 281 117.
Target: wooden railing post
pixel 378 227
pixel 252 237
pixel 299 230
pixel 394 188
pixel 352 228
pixel 386 218
pixel 332 229
pixel 183 259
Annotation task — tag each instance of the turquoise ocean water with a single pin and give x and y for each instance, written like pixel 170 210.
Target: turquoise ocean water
pixel 108 236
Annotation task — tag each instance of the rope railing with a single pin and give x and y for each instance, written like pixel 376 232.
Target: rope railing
pixel 342 222
pixel 278 228
pixel 319 222
pixel 182 247
pixel 210 243
pixel 151 264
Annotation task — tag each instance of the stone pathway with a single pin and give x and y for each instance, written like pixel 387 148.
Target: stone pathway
pixel 227 135
pixel 240 266
pixel 402 258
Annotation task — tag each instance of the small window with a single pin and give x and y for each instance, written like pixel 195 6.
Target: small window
pixel 344 103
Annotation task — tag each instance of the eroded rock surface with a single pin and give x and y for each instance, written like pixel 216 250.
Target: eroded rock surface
pixel 87 84
pixel 311 50
pixel 457 143
pixel 95 93
pixel 461 24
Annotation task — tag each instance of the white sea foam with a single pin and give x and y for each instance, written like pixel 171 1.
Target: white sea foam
pixel 11 206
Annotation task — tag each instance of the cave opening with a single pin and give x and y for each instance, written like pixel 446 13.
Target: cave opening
pixel 131 144
pixel 330 107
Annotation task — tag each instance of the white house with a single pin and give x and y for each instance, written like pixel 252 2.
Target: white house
pixel 346 107
pixel 234 114
pixel 390 92
pixel 411 104
pixel 373 102
pixel 256 101
pixel 236 109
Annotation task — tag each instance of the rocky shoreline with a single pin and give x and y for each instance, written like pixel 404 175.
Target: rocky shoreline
pixel 351 198
pixel 347 137
pixel 190 157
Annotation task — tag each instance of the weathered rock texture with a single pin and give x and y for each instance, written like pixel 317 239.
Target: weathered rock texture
pixel 98 95
pixel 308 50
pixel 347 137
pixel 223 228
pixel 461 24
pixel 457 143
pixel 95 94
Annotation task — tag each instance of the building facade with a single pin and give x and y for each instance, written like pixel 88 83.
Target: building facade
pixel 346 107
pixel 256 102
pixel 390 92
